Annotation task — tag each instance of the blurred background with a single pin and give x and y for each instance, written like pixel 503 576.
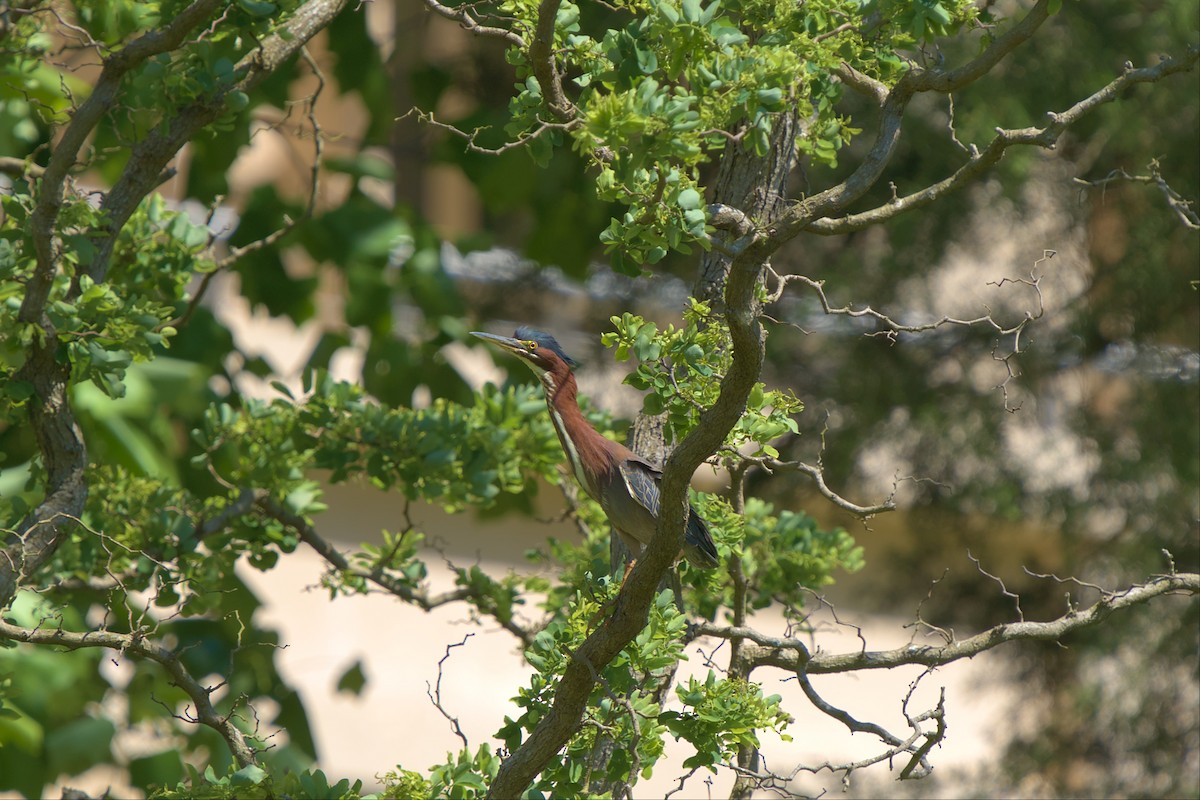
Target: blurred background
pixel 1078 457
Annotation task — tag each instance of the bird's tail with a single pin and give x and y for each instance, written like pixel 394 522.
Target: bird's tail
pixel 698 546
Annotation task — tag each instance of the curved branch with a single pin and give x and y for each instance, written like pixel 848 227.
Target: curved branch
pixel 136 644
pixel 630 612
pixel 800 216
pixel 152 153
pixel 981 161
pixel 384 580
pixel 938 80
pixel 792 654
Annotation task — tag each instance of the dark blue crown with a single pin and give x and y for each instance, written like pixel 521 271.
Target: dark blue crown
pixel 527 334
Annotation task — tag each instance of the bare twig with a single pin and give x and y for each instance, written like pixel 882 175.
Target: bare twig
pixel 472 137
pixel 462 14
pixel 435 692
pixel 1184 209
pixel 919 620
pixel 1016 598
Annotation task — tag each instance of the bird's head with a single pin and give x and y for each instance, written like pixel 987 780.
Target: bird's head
pixel 539 350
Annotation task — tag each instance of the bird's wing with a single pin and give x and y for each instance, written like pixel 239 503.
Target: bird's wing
pixel 642 479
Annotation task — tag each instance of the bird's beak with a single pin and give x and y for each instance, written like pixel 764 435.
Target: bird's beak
pixel 506 343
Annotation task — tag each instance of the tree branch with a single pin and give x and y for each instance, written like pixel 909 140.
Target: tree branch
pixel 792 654
pixel 630 613
pixel 151 154
pixel 20 168
pixel 136 644
pixel 544 64
pixel 462 15
pixel 59 439
pixel 939 80
pixel 44 219
pixel 58 436
pixel 981 161
pixel 384 580
pixel 1184 209
pixel 831 201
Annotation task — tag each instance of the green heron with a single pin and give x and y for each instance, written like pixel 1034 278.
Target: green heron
pixel 622 482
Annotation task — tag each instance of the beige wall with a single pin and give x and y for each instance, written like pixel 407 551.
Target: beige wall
pixel 394 721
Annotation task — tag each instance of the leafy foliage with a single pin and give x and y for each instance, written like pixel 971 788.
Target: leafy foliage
pixel 667 89
pixel 255 782
pixel 188 481
pixel 681 368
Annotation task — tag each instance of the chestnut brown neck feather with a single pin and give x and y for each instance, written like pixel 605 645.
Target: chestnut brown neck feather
pixel 590 454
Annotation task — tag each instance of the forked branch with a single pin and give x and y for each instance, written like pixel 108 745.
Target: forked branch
pixel 981 161
pixel 136 644
pixel 791 654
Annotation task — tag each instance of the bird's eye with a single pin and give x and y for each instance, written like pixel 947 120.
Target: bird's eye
pixel 531 345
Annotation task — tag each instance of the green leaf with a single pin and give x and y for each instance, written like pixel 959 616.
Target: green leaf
pixel 258 8
pixel 251 775
pixel 690 199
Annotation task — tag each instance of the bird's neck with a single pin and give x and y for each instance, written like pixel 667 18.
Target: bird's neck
pixel 589 453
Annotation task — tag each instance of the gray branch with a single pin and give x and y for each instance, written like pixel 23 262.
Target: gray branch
pixel 982 161
pixel 792 654
pixel 137 645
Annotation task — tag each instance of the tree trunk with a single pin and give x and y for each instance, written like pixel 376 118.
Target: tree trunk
pixel 756 186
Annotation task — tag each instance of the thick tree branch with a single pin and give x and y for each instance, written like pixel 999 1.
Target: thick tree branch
pixel 792 654
pixel 545 65
pixel 151 154
pixel 137 645
pixel 982 161
pixel 630 612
